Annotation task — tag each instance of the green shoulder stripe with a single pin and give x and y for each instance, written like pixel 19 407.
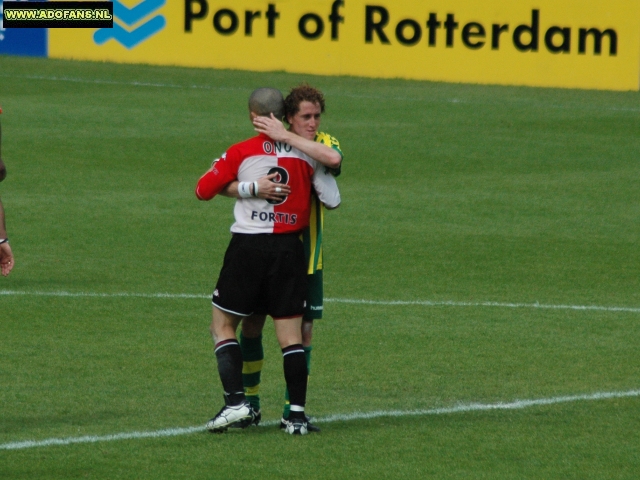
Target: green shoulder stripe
pixel 332 142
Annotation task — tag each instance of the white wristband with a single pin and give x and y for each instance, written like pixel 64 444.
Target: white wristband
pixel 243 189
pixel 4 240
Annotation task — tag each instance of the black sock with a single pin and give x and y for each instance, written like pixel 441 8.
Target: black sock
pixel 295 374
pixel 229 357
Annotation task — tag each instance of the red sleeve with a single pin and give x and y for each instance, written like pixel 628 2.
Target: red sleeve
pixel 223 172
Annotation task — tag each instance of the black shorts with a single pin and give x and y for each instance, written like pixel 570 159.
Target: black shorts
pixel 263 274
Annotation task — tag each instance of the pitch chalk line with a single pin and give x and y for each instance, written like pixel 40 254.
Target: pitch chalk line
pixel 451 303
pixel 117 82
pixel 424 303
pixel 103 295
pixel 134 83
pixel 462 408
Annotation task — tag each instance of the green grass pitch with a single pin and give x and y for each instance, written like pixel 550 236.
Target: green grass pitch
pixel 483 205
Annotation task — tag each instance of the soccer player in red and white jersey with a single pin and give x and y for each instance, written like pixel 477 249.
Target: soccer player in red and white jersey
pixel 264 270
pixel 303 109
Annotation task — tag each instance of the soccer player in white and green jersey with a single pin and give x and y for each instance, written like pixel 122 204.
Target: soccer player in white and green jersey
pixel 303 107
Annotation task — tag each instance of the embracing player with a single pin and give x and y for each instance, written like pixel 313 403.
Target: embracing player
pixel 303 109
pixel 264 270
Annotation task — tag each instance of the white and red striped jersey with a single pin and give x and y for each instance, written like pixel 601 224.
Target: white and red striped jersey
pixel 257 157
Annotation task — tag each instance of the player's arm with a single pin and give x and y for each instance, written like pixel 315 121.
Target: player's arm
pixel 267 189
pixel 3 228
pixel 326 188
pixel 216 178
pixel 6 256
pixel 331 142
pixel 274 128
pixel 3 169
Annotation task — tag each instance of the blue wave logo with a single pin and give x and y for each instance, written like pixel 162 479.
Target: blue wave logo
pixel 131 17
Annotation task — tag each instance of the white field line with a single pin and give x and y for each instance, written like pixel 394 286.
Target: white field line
pixel 463 408
pixel 134 83
pixel 117 82
pixel 450 303
pixel 423 303
pixel 103 295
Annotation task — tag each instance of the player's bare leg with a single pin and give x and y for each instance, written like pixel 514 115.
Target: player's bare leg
pixel 224 325
pixel 288 331
pixel 307 332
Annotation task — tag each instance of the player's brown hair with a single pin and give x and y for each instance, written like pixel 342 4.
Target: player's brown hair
pixel 302 93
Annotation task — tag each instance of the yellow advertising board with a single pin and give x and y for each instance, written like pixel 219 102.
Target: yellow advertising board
pixel 555 43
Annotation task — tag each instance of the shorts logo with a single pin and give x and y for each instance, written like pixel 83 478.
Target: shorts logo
pixel 215 293
pixel 281 177
pixel 267 147
pixel 131 17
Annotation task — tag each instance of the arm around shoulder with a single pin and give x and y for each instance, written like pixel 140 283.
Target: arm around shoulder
pixel 326 188
pixel 320 152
